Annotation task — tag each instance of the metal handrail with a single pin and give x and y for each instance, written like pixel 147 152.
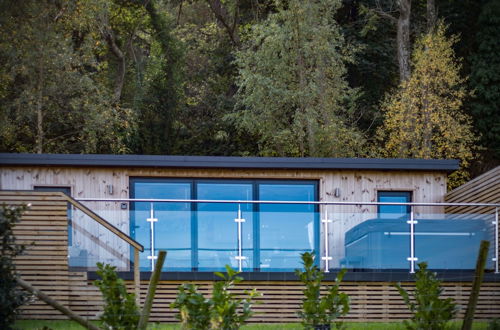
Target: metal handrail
pixel 158 200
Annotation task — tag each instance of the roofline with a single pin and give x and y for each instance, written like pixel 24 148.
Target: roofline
pixel 100 160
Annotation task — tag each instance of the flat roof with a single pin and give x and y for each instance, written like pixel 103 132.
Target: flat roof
pixel 99 160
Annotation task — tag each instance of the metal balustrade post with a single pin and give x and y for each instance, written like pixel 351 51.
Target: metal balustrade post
pixel 326 257
pixel 239 220
pixel 152 221
pixel 412 222
pixel 495 259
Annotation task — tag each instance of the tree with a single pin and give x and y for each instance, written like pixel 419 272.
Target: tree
pixel 11 297
pixel 52 99
pixel 292 89
pixel 424 117
pixel 485 79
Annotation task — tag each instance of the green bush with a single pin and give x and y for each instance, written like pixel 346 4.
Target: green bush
pixel 318 310
pixel 120 309
pixel 222 311
pixel 194 309
pixel 494 324
pixel 430 312
pixel 11 297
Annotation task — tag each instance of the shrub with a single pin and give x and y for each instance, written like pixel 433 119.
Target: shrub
pixel 320 311
pixel 11 297
pixel 194 309
pixel 429 310
pixel 222 311
pixel 120 309
pixel 494 324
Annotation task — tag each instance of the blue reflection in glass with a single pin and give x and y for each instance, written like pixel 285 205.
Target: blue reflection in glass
pixel 286 230
pixel 217 230
pixel 394 211
pixel 173 228
pixel 452 243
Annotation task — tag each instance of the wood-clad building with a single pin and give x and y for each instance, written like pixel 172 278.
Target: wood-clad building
pixel 131 193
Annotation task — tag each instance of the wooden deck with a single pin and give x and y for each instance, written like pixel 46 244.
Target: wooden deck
pixel 43 230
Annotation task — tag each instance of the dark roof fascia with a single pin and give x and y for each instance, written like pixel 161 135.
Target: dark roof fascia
pixel 99 160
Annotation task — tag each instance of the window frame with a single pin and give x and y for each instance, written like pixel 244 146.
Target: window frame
pixel 193 182
pixel 395 193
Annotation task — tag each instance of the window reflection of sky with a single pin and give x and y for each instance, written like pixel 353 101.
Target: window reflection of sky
pixel 204 236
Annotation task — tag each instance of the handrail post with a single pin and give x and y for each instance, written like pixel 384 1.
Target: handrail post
pixel 412 222
pixel 152 221
pixel 495 259
pixel 239 220
pixel 326 256
pixel 137 277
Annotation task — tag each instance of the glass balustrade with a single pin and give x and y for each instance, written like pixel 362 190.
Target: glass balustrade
pixel 92 243
pixel 270 235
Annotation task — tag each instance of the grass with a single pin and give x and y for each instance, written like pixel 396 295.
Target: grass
pixel 69 325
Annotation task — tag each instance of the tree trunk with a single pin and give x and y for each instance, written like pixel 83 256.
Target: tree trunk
pixel 39 111
pixel 403 39
pixel 120 56
pixel 225 19
pixel 431 15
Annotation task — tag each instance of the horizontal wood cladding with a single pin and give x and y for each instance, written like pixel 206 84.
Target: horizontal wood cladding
pixel 483 189
pixel 281 300
pixel 43 230
pixel 354 185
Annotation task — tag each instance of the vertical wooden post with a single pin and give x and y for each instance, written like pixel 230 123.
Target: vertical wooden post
pixel 137 278
pixel 476 285
pixel 148 302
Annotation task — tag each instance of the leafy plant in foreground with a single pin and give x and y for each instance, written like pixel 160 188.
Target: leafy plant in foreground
pixel 318 312
pixel 430 312
pixel 194 309
pixel 120 309
pixel 222 311
pixel 11 297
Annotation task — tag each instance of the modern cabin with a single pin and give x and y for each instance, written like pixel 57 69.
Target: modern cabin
pixel 376 217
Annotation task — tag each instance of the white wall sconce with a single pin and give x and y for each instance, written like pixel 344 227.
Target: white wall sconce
pixel 336 192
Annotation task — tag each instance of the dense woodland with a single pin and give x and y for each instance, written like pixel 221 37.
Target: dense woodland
pixel 320 78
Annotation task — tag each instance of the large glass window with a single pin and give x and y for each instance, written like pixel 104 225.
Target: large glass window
pixel 164 226
pixel 286 230
pixel 205 237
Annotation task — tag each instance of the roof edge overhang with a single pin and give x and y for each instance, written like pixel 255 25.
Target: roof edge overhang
pixel 157 161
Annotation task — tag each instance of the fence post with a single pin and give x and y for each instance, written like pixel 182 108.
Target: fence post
pixel 153 282
pixel 476 285
pixel 412 257
pixel 137 277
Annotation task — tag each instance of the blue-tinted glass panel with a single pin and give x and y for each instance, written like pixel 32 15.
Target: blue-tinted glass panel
pixel 173 228
pixel 453 242
pixel 218 232
pixel 394 211
pixel 286 230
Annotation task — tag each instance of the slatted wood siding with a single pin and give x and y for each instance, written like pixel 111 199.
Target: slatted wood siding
pixel 370 301
pixel 483 189
pixel 43 229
